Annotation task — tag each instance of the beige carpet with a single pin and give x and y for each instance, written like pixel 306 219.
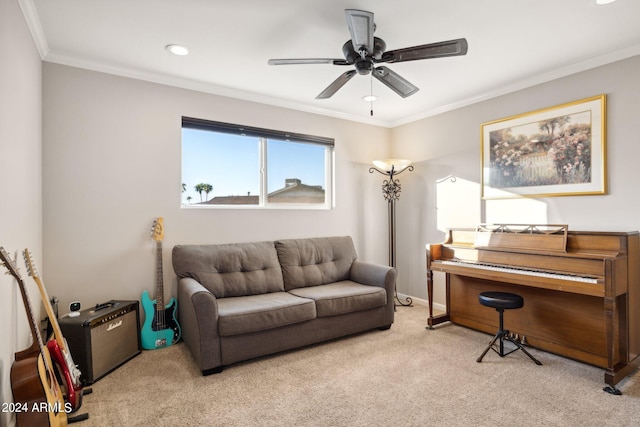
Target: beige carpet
pixel 406 376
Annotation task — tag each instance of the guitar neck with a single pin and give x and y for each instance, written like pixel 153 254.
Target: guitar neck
pixel 37 344
pixel 159 277
pixel 35 330
pixel 57 332
pixel 12 267
pixel 53 319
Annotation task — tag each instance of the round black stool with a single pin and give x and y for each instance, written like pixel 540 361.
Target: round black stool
pixel 502 301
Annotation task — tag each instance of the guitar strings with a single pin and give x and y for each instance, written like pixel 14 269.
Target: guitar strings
pixel 159 298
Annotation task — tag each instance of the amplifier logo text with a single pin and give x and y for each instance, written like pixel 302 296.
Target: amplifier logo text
pixel 112 326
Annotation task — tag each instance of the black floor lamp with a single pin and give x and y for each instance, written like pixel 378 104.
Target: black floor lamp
pixel 391 191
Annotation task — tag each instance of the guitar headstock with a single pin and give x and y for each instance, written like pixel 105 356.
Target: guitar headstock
pixel 10 264
pixel 158 229
pixel 28 261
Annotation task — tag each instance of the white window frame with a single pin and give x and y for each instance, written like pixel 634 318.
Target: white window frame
pixel 264 135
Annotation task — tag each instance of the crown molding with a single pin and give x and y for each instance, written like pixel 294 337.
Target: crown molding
pixel 90 64
pixel 35 26
pixel 558 73
pixel 74 61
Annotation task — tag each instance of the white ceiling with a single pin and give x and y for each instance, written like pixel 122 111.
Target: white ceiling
pixel 512 44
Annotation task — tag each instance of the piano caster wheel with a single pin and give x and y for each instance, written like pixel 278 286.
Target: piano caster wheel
pixel 612 390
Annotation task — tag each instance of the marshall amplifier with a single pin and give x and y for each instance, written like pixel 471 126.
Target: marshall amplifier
pixel 102 338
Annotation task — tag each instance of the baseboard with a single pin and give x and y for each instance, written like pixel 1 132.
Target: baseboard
pixel 423 302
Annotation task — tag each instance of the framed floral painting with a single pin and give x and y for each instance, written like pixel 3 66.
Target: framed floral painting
pixel 557 151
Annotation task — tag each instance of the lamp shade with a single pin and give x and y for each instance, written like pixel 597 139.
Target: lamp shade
pixel 398 165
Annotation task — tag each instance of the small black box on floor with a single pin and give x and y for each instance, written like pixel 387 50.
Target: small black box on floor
pixel 103 337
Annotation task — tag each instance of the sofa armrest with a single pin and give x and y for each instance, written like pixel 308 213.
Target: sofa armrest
pixel 377 275
pixel 373 274
pixel 198 317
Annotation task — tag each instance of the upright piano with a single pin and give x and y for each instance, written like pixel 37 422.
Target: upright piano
pixel 581 290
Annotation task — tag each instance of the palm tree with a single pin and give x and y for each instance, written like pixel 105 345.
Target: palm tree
pixel 189 199
pixel 199 189
pixel 208 188
pixel 202 187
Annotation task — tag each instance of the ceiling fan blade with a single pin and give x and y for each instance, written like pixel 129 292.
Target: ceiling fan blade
pixel 308 61
pixel 427 51
pixel 361 28
pixel 337 84
pixel 395 82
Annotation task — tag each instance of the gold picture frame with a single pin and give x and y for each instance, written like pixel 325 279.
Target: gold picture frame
pixel 556 151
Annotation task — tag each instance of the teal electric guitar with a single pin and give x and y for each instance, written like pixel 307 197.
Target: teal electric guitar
pixel 160 328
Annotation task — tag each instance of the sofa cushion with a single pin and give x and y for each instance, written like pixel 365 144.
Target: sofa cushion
pixel 242 315
pixel 343 297
pixel 231 270
pixel 315 261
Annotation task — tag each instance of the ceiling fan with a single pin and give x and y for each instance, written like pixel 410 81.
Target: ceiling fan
pixel 364 51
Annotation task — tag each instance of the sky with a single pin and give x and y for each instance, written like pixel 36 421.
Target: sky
pixel 231 163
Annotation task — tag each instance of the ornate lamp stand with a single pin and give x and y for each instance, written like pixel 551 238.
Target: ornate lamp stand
pixel 391 191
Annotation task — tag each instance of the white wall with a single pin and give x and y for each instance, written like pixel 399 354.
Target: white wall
pixel 20 180
pixel 111 164
pixel 449 144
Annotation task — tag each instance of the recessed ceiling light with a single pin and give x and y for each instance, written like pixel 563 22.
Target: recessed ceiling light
pixel 601 2
pixel 369 98
pixel 176 49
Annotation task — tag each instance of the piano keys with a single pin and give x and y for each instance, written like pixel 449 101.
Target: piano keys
pixel 524 271
pixel 581 289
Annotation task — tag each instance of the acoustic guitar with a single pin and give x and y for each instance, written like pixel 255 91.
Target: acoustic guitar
pixel 37 396
pixel 160 328
pixel 58 347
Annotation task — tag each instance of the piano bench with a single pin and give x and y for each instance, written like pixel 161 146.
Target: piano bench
pixel 502 301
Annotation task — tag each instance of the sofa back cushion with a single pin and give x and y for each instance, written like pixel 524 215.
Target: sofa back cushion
pixel 315 261
pixel 231 270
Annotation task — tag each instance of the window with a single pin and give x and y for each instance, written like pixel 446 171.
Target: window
pixel 227 165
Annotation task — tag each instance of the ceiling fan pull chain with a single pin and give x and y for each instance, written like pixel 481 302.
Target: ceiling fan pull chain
pixel 371 93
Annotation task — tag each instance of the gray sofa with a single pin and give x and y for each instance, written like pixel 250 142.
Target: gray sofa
pixel 245 300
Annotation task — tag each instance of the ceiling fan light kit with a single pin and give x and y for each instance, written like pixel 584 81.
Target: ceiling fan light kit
pixel 364 51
